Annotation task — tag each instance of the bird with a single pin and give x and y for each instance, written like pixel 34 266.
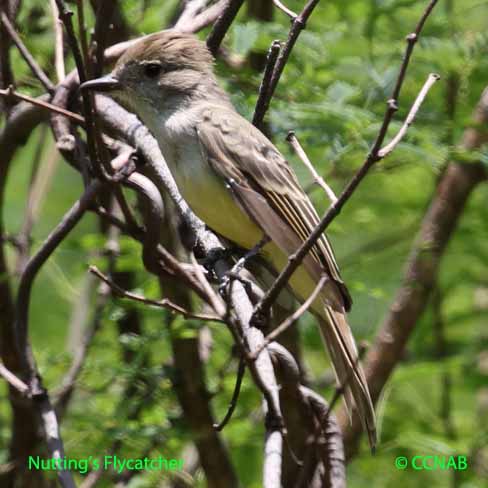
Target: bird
pixel 237 182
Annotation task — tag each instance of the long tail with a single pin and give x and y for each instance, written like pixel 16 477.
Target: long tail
pixel 343 353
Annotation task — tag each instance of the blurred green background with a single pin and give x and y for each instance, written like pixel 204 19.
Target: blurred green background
pixel 332 93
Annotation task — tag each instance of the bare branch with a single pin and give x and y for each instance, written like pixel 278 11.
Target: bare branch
pixel 264 88
pixel 34 66
pixel 94 143
pixel 285 9
pixel 43 170
pixel 62 395
pixel 104 15
pixel 382 153
pixel 68 222
pixel 235 396
pixel 222 25
pixel 58 42
pixel 323 439
pixel 164 303
pixel 273 457
pixel 298 24
pixel 82 32
pixel 16 382
pixel 190 10
pixel 203 19
pixel 9 92
pixel 332 452
pixel 295 144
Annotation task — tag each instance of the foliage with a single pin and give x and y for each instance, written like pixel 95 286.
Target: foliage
pixel 332 94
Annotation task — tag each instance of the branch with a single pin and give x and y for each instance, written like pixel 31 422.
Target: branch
pixel 285 9
pixel 322 440
pixel 298 24
pixel 382 153
pixel 70 219
pixel 264 88
pixel 273 458
pixel 235 395
pixel 13 380
pixel 295 144
pixel 164 303
pixel 58 42
pixel 332 450
pixel 203 19
pixel 222 25
pixel 190 10
pixel 62 395
pixel 137 135
pixel 33 65
pixel 104 14
pixel 294 260
pixel 9 92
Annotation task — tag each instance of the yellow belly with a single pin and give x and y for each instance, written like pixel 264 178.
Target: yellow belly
pixel 212 202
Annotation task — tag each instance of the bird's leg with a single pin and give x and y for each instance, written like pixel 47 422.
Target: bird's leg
pixel 209 261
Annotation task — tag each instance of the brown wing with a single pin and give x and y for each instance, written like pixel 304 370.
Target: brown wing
pixel 266 186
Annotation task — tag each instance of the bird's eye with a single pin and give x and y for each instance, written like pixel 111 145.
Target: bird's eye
pixel 151 70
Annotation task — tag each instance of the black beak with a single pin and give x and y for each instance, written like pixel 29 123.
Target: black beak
pixel 103 84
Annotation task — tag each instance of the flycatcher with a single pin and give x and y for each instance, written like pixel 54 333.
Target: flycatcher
pixel 236 181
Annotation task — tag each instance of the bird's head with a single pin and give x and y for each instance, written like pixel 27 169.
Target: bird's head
pixel 158 69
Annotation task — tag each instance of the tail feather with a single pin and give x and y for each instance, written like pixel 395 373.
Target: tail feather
pixel 349 373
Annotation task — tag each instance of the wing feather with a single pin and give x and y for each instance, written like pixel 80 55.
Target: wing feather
pixel 255 169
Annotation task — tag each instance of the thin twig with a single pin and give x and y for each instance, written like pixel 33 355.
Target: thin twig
pixel 235 396
pixel 16 382
pixel 432 78
pixel 285 9
pixel 294 260
pixel 58 42
pixel 82 32
pixel 33 65
pixel 214 299
pixel 297 147
pixel 9 92
pixel 260 109
pixel 163 303
pixel 298 24
pixel 288 322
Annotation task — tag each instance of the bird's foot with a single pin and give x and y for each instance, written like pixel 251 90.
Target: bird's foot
pixel 231 276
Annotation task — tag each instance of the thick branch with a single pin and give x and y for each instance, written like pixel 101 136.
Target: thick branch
pixel 222 25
